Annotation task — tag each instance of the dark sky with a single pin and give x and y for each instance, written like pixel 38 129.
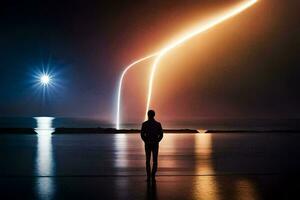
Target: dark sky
pixel 247 67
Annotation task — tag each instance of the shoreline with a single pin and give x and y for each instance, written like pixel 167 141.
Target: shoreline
pixel 99 130
pixel 87 131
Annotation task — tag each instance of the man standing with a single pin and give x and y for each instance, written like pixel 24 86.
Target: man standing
pixel 151 134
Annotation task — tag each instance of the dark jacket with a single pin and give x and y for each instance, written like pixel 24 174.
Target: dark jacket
pixel 152 131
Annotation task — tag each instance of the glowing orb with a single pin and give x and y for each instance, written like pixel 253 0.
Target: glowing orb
pixel 45 79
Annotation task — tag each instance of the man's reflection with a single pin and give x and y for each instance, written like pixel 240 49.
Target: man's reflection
pixel 151 190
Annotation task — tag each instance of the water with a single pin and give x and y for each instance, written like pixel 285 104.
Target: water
pixel 111 166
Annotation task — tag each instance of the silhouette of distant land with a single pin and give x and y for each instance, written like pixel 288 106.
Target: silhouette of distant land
pixel 98 130
pixel 17 131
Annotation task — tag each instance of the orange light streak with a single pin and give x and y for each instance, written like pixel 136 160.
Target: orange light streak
pixel 202 28
pixel 159 55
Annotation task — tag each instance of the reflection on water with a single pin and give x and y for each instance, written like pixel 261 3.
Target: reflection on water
pixel 205 187
pixel 167 149
pixel 151 191
pixel 203 151
pixel 44 160
pixel 44 126
pixel 245 190
pixel 180 155
pixel 121 162
pixel 120 146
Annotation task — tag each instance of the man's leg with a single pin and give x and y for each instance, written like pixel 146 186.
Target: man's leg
pixel 148 157
pixel 155 155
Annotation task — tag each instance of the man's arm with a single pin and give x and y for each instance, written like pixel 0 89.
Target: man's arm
pixel 143 133
pixel 161 133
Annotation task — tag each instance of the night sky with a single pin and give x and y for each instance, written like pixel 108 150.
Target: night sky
pixel 246 67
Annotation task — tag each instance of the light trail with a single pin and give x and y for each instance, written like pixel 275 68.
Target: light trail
pixel 198 30
pixel 202 28
pixel 120 86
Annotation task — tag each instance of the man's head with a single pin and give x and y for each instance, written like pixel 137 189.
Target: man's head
pixel 151 114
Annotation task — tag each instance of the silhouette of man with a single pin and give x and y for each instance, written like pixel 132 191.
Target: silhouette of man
pixel 151 134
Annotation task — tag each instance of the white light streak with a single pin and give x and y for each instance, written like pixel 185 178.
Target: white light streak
pixel 120 87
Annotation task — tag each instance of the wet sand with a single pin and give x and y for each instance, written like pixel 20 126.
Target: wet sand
pixel 111 166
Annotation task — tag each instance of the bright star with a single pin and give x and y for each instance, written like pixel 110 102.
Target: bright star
pixel 45 79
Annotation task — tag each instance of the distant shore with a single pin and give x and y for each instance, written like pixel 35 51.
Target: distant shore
pixel 99 130
pixel 87 130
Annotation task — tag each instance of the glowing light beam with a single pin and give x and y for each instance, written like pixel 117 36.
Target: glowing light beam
pixel 159 55
pixel 198 30
pixel 120 86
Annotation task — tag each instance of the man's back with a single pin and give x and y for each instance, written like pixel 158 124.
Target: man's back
pixel 151 131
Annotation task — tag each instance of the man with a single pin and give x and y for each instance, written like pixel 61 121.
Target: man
pixel 151 134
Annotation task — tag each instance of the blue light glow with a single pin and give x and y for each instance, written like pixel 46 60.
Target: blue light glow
pixel 46 81
pixel 44 78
